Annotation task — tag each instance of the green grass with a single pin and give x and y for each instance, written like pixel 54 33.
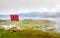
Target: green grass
pixel 28 34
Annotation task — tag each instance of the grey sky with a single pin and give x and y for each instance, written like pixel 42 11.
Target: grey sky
pixel 29 5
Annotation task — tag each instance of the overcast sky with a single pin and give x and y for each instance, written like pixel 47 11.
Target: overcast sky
pixel 15 6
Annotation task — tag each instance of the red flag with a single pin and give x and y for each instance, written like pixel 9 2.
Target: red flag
pixel 14 17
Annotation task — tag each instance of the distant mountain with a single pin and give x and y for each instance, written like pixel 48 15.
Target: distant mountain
pixel 38 14
pixel 4 15
pixel 32 14
pixel 3 20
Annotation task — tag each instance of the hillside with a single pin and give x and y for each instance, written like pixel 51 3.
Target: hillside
pixel 27 29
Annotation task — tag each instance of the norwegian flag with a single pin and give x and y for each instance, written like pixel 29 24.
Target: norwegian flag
pixel 14 17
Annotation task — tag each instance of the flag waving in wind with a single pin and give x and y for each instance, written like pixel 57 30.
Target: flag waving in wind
pixel 14 17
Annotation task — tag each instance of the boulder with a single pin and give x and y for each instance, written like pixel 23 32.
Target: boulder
pixel 15 29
